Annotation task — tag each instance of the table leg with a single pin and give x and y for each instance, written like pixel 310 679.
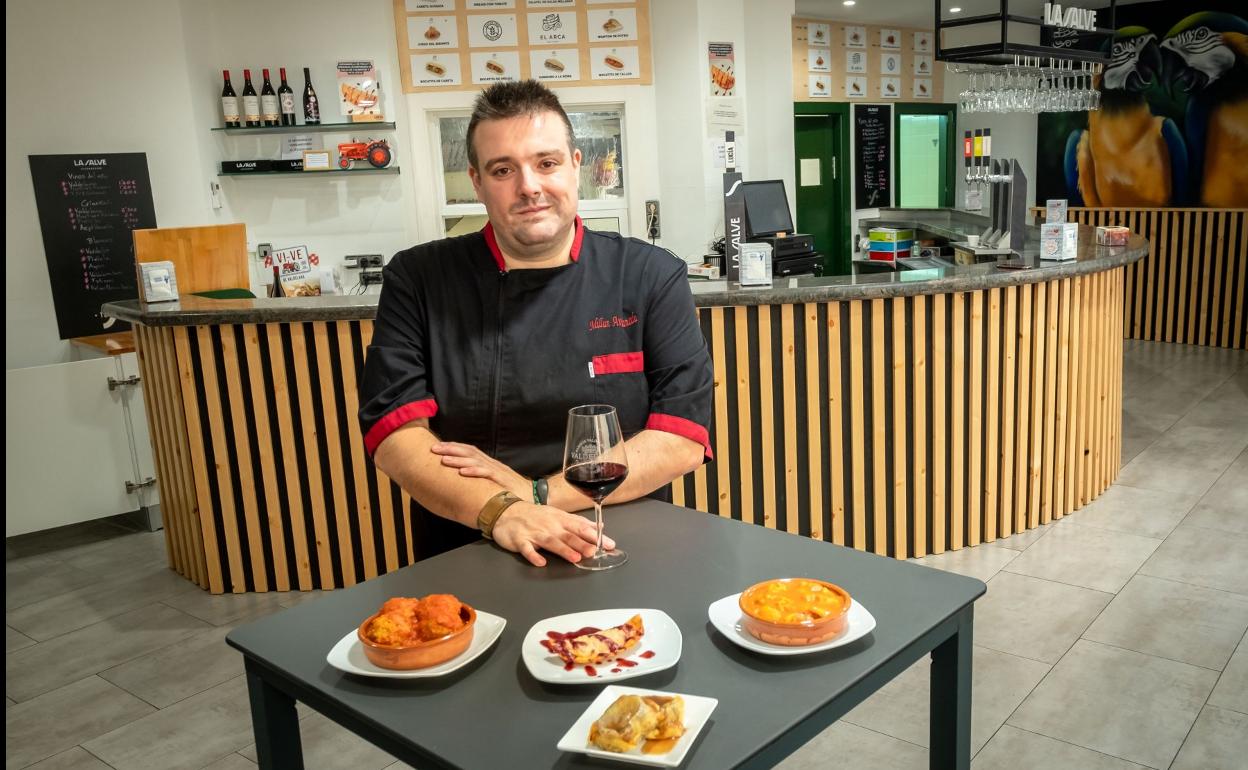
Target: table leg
pixel 950 738
pixel 275 723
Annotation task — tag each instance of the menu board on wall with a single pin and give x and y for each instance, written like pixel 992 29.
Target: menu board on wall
pixel 88 204
pixel 459 46
pixel 862 63
pixel 872 149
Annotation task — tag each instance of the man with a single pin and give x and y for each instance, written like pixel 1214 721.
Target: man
pixel 483 342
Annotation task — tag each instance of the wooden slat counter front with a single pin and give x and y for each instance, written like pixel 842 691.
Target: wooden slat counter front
pixel 904 414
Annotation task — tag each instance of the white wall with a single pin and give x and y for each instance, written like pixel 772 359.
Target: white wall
pixel 88 77
pixel 144 76
pixel 334 215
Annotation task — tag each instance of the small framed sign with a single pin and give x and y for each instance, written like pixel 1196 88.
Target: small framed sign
pixel 316 160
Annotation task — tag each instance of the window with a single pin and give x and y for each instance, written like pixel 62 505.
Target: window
pixel 601 189
pixel 924 159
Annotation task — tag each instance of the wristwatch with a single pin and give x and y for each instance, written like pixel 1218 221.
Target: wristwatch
pixel 492 509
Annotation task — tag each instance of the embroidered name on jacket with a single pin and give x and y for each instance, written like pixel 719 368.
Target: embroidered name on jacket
pixel 614 322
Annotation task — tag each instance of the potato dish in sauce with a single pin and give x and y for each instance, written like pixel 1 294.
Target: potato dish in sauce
pixel 793 601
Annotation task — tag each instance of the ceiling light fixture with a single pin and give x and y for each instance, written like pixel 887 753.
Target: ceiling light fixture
pixel 849 2
pixel 955 10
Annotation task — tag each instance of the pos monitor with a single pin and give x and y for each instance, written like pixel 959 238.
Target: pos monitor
pixel 766 209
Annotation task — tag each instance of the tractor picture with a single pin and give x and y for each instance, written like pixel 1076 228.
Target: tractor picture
pixel 375 152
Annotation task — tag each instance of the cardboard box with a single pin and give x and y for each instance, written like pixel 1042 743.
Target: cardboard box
pixel 1112 236
pixel 704 271
pixel 288 165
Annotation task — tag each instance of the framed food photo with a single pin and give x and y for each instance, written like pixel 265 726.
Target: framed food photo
pixel 317 160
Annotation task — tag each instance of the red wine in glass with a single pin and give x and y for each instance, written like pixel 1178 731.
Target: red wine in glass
pixel 596 480
pixel 594 461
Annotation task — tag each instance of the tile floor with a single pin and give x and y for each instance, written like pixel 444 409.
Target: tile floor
pixel 1114 638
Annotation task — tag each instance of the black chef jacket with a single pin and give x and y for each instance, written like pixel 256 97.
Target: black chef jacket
pixel 496 357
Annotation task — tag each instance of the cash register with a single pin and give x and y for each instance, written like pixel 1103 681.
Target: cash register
pixel 767 220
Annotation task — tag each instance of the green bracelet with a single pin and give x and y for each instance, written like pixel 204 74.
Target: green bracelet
pixel 541 491
pixel 536 499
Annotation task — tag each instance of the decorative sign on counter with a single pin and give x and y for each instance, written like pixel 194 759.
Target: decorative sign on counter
pixel 88 204
pixel 872 141
pixel 456 45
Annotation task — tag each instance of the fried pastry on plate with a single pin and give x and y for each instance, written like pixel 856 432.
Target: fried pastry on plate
pixel 624 724
pixel 671 716
pixel 599 646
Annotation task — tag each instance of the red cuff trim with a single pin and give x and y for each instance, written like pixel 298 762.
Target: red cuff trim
pixel 491 240
pixel 681 427
pixel 396 419
pixel 619 363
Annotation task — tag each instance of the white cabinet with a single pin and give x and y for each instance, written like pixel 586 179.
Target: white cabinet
pixel 72 444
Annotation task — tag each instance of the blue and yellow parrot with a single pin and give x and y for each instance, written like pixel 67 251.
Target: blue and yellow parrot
pixel 1213 51
pixel 1127 156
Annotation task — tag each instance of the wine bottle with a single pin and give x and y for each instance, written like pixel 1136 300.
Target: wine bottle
pixel 268 102
pixel 251 102
pixel 229 103
pixel 276 289
pixel 286 97
pixel 311 107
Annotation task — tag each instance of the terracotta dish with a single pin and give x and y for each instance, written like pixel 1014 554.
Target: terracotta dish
pixel 794 612
pixel 416 650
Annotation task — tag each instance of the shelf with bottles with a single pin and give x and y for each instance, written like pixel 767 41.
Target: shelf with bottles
pixel 329 172
pixel 314 128
pixel 274 111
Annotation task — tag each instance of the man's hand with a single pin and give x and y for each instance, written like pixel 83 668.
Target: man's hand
pixel 473 463
pixel 525 527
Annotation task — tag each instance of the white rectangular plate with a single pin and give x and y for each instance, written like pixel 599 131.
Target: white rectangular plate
pixel 697 711
pixel 662 638
pixel 348 654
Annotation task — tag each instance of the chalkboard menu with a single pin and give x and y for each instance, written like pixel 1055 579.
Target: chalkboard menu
pixel 873 178
pixel 88 204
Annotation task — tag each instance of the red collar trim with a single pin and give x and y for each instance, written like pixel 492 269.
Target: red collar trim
pixel 491 240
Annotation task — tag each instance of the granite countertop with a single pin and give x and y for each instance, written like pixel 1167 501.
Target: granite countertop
pixel 197 311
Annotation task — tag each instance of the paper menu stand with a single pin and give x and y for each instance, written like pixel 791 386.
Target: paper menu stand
pixel 359 91
pixel 158 282
pixel 1059 241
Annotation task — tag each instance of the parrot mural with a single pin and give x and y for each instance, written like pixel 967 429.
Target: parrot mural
pixel 1127 156
pixel 1210 53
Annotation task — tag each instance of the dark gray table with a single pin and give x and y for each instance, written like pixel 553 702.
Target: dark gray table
pixel 492 713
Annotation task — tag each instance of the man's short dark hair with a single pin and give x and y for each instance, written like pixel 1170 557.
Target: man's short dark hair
pixel 514 99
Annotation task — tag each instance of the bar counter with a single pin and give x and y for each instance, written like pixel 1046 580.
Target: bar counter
pixel 904 414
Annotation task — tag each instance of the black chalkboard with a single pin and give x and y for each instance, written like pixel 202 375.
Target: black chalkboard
pixel 88 204
pixel 873 178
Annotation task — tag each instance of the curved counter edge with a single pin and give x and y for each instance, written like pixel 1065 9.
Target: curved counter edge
pixel 196 311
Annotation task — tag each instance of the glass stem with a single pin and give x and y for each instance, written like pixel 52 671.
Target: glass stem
pixel 598 522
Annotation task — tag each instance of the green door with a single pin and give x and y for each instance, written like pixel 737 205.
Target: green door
pixel 820 142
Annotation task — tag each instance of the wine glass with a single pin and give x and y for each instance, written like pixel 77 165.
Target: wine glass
pixel 594 462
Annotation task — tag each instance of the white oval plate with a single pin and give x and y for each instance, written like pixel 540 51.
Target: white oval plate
pixel 348 654
pixel 662 637
pixel 697 711
pixel 725 615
